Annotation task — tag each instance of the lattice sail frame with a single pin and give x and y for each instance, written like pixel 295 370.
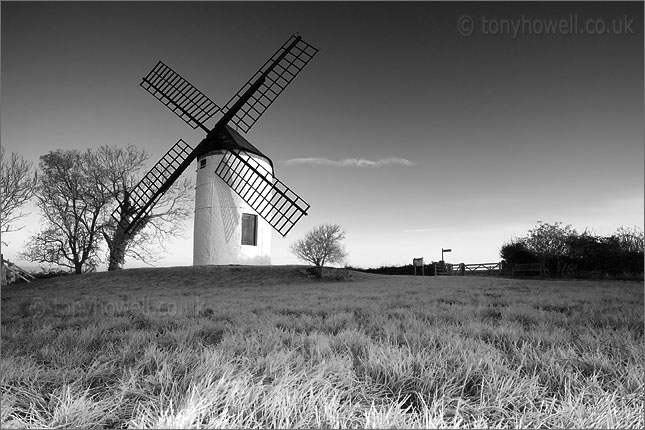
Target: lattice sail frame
pixel 266 194
pixel 178 95
pixel 151 187
pixel 284 207
pixel 296 53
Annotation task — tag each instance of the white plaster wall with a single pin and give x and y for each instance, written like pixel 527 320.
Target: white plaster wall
pixel 218 220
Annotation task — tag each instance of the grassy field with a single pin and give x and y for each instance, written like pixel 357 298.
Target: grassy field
pixel 201 347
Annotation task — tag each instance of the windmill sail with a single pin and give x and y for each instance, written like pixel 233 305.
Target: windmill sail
pixel 266 194
pixel 178 95
pixel 278 72
pixel 153 185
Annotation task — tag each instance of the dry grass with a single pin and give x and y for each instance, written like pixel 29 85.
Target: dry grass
pixel 270 347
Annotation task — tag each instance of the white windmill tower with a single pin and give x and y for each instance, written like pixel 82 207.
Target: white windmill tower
pixel 237 196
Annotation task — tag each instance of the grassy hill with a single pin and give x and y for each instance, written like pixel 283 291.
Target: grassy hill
pixel 258 346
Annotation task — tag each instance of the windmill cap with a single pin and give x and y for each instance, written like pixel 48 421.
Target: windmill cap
pixel 229 139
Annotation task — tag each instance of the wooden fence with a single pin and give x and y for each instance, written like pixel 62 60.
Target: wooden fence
pixel 10 273
pixel 462 269
pixel 491 269
pixel 536 268
pixel 441 268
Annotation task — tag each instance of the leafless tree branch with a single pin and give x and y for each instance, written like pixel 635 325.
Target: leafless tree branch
pixel 321 245
pixel 71 205
pixel 17 184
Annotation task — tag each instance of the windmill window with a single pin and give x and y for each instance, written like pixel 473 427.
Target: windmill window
pixel 202 163
pixel 249 229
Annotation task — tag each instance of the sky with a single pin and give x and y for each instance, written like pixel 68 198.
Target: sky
pixel 418 126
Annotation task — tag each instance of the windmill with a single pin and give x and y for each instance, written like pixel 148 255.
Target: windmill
pixel 238 199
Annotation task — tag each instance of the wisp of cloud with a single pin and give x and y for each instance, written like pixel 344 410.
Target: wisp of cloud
pixel 350 162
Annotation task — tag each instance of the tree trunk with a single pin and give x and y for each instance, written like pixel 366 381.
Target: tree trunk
pixel 117 258
pixel 322 266
pixel 118 243
pixel 552 265
pixel 117 246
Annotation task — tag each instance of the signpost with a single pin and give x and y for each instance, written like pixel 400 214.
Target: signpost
pixel 418 262
pixel 444 250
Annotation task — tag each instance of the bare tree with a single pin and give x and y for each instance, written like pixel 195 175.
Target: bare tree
pixel 77 195
pixel 17 184
pixel 321 245
pixel 73 206
pixel 119 170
